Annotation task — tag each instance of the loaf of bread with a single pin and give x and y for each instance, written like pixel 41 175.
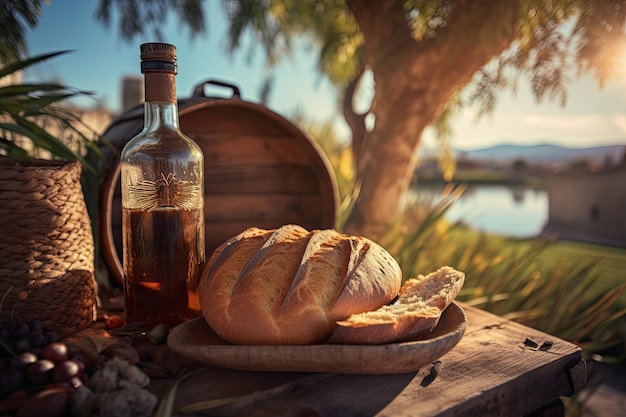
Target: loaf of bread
pixel 291 286
pixel 412 316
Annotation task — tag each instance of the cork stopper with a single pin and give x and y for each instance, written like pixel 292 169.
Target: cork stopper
pixel 158 57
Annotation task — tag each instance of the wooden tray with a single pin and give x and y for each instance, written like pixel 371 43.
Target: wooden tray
pixel 196 340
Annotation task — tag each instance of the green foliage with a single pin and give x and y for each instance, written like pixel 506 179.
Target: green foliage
pixel 327 24
pixel 137 17
pixel 23 109
pixel 515 280
pixel 557 42
pixel 15 15
pixel 426 17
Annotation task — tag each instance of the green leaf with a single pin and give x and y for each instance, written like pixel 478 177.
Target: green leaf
pixel 166 405
pixel 210 404
pixel 21 64
pixel 14 152
pixel 45 140
pixel 29 89
pixel 22 103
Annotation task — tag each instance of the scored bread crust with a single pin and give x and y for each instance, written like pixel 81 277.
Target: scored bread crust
pixel 412 316
pixel 291 286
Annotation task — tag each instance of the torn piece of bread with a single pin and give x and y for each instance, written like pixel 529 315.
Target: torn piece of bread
pixel 412 316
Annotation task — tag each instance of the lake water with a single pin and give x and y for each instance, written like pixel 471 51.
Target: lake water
pixel 510 211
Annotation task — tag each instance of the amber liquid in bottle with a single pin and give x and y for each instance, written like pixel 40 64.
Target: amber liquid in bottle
pixel 161 288
pixel 162 205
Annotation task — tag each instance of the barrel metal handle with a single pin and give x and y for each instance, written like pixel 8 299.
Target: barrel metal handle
pixel 198 90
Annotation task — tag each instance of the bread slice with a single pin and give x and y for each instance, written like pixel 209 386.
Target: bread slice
pixel 412 316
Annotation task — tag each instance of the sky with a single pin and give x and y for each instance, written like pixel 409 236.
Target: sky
pixel 100 59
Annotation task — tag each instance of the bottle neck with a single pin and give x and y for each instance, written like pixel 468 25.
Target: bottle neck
pixel 160 115
pixel 160 108
pixel 160 87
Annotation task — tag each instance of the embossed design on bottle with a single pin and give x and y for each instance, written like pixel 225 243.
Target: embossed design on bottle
pixel 166 191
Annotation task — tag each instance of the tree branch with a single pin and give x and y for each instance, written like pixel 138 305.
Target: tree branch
pixel 383 24
pixel 355 121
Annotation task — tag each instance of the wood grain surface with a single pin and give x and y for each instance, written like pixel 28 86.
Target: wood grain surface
pixel 499 368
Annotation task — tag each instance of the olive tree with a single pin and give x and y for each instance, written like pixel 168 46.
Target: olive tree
pixel 428 59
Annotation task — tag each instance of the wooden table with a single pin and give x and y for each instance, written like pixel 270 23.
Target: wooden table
pixel 499 368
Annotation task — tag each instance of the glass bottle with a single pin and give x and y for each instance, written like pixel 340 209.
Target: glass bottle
pixel 162 173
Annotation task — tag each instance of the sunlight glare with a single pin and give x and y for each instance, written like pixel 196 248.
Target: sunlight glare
pixel 619 63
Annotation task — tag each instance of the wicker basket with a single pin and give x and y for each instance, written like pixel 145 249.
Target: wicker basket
pixel 46 246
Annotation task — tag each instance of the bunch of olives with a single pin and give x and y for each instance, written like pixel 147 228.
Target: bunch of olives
pixel 37 371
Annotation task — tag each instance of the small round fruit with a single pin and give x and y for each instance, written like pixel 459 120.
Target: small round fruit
pixel 40 372
pixel 34 324
pixel 22 345
pixel 66 370
pixel 22 360
pixel 56 352
pixel 113 322
pixel 37 340
pixel 20 330
pixel 52 336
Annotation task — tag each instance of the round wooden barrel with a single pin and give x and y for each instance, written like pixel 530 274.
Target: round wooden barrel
pixel 260 170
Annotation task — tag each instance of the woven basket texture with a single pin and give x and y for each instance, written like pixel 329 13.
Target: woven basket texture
pixel 46 246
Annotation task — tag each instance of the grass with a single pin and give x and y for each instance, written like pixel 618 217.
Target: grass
pixel 608 263
pixel 571 290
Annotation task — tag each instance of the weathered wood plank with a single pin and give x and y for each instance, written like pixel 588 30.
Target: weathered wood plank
pixel 230 149
pixel 229 117
pixel 259 207
pixel 262 179
pixel 491 372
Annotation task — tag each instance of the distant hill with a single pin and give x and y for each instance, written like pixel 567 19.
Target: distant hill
pixel 544 153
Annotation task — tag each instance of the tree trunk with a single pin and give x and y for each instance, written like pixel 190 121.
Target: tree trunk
pixel 355 121
pixel 414 81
